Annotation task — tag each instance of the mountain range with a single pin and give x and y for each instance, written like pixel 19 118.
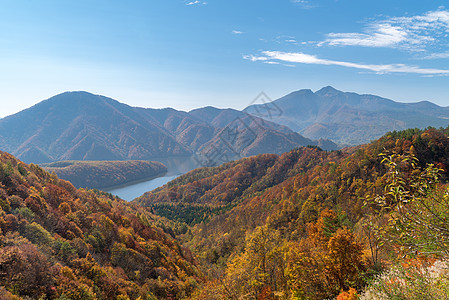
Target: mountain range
pixel 83 126
pixel 349 118
pixel 305 224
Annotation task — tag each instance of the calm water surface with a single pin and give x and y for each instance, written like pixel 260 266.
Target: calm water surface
pixel 176 167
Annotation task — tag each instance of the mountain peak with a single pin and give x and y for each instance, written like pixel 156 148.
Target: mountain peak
pixel 74 94
pixel 78 99
pixel 328 90
pixel 303 92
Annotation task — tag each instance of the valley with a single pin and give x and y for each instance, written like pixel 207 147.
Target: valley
pixel 286 212
pixel 205 228
pixel 175 168
pixel 224 150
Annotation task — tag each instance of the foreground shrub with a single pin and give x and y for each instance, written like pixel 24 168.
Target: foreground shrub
pixel 412 280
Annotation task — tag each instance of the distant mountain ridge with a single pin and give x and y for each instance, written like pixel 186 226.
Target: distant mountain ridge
pixel 83 126
pixel 351 118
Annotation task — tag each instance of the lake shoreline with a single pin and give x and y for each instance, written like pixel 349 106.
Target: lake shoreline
pixel 175 168
pixel 132 182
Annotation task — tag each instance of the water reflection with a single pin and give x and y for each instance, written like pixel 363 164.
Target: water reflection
pixel 175 166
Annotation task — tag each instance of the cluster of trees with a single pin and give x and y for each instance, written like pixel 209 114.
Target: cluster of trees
pixel 206 192
pixel 285 197
pixel 329 260
pixel 59 242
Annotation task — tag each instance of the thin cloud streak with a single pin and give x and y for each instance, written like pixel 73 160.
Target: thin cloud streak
pixel 292 57
pixel 196 2
pixel 437 55
pixel 303 4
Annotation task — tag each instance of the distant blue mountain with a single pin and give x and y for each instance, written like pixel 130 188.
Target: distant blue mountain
pixel 350 118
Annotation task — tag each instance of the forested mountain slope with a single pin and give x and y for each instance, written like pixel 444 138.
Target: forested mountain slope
pixel 299 225
pixel 297 207
pixel 57 242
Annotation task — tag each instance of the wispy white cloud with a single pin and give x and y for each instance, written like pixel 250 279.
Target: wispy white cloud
pixel 305 4
pixel 414 33
pixel 297 57
pixel 196 2
pixel 255 58
pixel 237 32
pixel 382 35
pixel 437 55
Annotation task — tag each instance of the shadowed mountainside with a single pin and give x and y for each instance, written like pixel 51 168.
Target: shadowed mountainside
pixel 83 126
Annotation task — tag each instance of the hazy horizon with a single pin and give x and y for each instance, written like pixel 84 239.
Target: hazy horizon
pixel 124 101
pixel 190 54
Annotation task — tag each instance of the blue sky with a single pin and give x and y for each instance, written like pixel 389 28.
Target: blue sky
pixel 188 54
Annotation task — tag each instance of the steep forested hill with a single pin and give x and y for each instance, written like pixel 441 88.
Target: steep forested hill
pixel 295 224
pixel 214 189
pixel 58 242
pixel 102 174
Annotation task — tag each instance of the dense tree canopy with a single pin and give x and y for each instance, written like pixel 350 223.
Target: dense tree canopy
pixel 314 201
pixel 58 242
pixel 308 224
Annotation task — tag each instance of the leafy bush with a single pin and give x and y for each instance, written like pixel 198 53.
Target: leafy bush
pixel 412 280
pixel 417 208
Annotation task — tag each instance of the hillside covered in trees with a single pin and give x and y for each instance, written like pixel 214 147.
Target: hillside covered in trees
pixel 306 224
pixel 368 221
pixel 103 174
pixel 59 242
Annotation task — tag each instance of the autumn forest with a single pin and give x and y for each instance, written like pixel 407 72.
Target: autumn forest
pixel 224 150
pixel 307 224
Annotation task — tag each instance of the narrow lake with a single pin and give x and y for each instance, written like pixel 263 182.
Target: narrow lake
pixel 176 167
